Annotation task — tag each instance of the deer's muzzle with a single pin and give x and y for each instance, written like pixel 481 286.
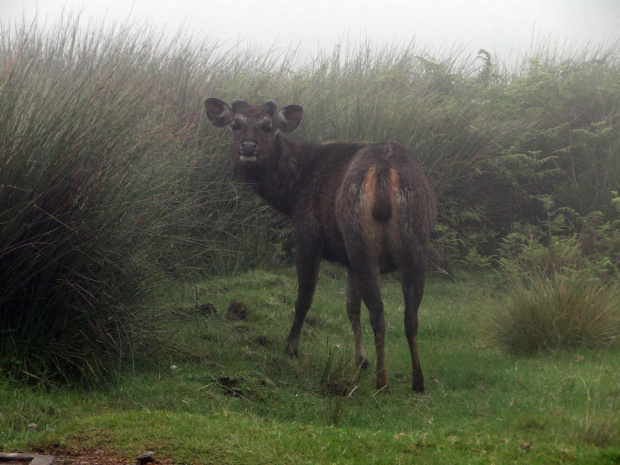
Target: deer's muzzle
pixel 248 150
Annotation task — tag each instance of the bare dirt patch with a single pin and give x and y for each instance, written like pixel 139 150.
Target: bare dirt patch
pixel 99 456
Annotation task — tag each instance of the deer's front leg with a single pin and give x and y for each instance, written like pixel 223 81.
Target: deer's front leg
pixel 307 262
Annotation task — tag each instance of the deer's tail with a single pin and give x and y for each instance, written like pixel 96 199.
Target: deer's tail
pixel 386 185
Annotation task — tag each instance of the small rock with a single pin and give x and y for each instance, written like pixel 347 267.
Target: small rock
pixel 147 457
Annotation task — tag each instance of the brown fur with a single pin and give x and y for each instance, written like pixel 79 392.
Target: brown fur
pixel 366 206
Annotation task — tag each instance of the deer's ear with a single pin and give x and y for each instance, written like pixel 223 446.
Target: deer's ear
pixel 218 112
pixel 288 118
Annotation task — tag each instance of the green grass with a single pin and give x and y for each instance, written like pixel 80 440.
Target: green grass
pixel 237 398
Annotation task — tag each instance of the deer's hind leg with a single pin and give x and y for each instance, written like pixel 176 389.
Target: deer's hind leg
pixel 367 279
pixel 354 304
pixel 413 276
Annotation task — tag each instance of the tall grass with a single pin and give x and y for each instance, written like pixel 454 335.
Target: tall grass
pixel 89 208
pixel 497 142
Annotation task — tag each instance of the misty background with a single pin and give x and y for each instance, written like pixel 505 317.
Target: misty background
pixel 507 28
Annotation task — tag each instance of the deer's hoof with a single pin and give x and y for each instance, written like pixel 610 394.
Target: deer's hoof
pixel 418 385
pixel 292 352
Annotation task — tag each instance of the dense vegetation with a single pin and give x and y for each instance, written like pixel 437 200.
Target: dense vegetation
pixel 115 190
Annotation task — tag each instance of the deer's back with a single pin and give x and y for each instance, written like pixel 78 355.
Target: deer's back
pixel 371 197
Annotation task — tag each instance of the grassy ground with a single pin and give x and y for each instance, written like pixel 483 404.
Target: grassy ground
pixel 237 398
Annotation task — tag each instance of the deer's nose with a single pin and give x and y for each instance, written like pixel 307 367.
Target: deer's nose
pixel 248 148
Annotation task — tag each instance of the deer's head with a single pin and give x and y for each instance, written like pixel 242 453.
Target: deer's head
pixel 254 128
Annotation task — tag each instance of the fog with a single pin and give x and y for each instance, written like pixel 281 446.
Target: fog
pixel 506 28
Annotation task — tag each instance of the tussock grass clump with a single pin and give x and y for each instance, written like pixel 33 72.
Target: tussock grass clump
pixel 556 312
pixel 87 206
pixel 339 380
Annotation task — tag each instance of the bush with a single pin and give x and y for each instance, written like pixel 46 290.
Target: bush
pixel 556 313
pixel 564 243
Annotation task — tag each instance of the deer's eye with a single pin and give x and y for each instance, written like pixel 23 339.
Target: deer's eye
pixel 267 127
pixel 235 126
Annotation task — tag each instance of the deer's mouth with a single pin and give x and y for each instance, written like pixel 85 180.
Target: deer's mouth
pixel 247 158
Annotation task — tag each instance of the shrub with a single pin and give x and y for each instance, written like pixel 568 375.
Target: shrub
pixel 555 312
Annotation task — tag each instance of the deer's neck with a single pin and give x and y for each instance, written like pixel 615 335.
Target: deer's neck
pixel 280 179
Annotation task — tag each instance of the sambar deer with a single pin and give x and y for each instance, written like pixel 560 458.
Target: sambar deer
pixel 367 206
